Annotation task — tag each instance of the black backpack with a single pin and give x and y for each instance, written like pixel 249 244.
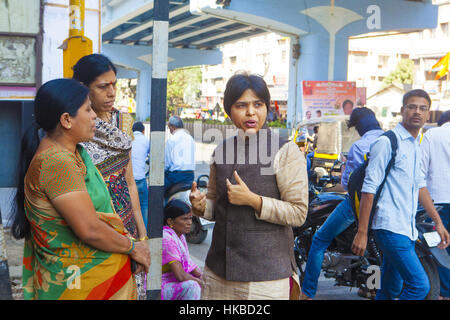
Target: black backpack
pixel 356 178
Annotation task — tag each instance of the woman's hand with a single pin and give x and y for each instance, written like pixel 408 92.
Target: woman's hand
pixel 239 194
pixel 198 280
pixel 141 254
pixel 140 268
pixel 197 199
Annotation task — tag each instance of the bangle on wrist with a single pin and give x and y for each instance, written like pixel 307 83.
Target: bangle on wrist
pixel 131 248
pixel 143 238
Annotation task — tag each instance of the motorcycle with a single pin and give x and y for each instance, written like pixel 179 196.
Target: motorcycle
pixel 428 252
pixel 200 226
pixel 354 271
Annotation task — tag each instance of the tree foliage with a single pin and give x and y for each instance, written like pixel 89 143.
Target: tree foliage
pixel 402 74
pixel 183 85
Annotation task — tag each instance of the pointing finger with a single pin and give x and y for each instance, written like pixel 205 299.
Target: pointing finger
pixel 194 186
pixel 238 179
pixel 229 185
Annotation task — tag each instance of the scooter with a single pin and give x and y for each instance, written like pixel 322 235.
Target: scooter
pixel 200 226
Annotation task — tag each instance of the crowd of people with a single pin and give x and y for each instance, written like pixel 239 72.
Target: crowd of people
pixel 83 200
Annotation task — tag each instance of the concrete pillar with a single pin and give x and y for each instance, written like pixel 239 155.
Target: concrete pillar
pixel 144 85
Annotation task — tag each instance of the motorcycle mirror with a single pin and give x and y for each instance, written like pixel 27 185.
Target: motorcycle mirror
pixel 202 184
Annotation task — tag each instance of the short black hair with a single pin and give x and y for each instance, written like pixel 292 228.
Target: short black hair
pixel 444 118
pixel 175 208
pixel 138 126
pixel 89 67
pixel 239 83
pixel 347 101
pixel 416 93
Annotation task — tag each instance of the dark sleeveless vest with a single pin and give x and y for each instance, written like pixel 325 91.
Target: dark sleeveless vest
pixel 244 248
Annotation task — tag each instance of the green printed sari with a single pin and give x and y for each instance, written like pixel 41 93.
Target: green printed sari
pixel 56 263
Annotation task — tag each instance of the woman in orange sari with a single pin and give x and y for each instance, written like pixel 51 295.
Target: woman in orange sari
pixel 76 246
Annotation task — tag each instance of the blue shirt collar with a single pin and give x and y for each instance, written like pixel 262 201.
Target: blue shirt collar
pixel 404 134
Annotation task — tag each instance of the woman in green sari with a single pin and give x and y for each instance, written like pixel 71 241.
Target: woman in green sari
pixel 76 246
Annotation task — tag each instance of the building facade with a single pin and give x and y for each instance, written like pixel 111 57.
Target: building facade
pixel 266 55
pixel 371 58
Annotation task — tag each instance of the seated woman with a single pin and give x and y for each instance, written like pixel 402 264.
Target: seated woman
pixel 181 277
pixel 76 246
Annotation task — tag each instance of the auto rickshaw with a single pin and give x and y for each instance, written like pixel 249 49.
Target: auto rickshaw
pixel 333 141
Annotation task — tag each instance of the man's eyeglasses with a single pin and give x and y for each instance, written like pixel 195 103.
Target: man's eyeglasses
pixel 414 107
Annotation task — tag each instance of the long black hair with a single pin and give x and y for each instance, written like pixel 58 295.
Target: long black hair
pixel 239 83
pixel 53 98
pixel 89 67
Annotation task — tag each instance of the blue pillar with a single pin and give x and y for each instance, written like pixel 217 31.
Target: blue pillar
pixel 144 85
pixel 137 59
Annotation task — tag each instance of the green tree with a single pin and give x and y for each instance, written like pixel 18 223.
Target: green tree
pixel 181 84
pixel 402 74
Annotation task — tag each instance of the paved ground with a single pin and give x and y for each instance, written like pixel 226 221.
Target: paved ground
pixel 326 289
pixel 14 251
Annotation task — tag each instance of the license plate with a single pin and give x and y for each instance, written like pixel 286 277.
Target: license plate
pixel 432 238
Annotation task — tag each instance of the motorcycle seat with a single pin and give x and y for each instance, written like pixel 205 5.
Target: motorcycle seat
pixel 182 186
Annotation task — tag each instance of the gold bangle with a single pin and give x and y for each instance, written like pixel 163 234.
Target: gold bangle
pixel 143 238
pixel 131 248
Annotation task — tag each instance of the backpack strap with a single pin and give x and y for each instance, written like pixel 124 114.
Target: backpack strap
pixel 394 146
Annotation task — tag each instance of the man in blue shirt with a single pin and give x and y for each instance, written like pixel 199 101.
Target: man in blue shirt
pixel 179 155
pixel 435 148
pixel 140 150
pixel 394 218
pixel 365 122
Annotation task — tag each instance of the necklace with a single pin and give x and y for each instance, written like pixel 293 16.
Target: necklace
pixel 106 117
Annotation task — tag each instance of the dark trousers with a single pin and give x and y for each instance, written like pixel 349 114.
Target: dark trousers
pixel 173 177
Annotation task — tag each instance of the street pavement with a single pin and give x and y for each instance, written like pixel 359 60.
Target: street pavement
pixel 14 254
pixel 326 289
